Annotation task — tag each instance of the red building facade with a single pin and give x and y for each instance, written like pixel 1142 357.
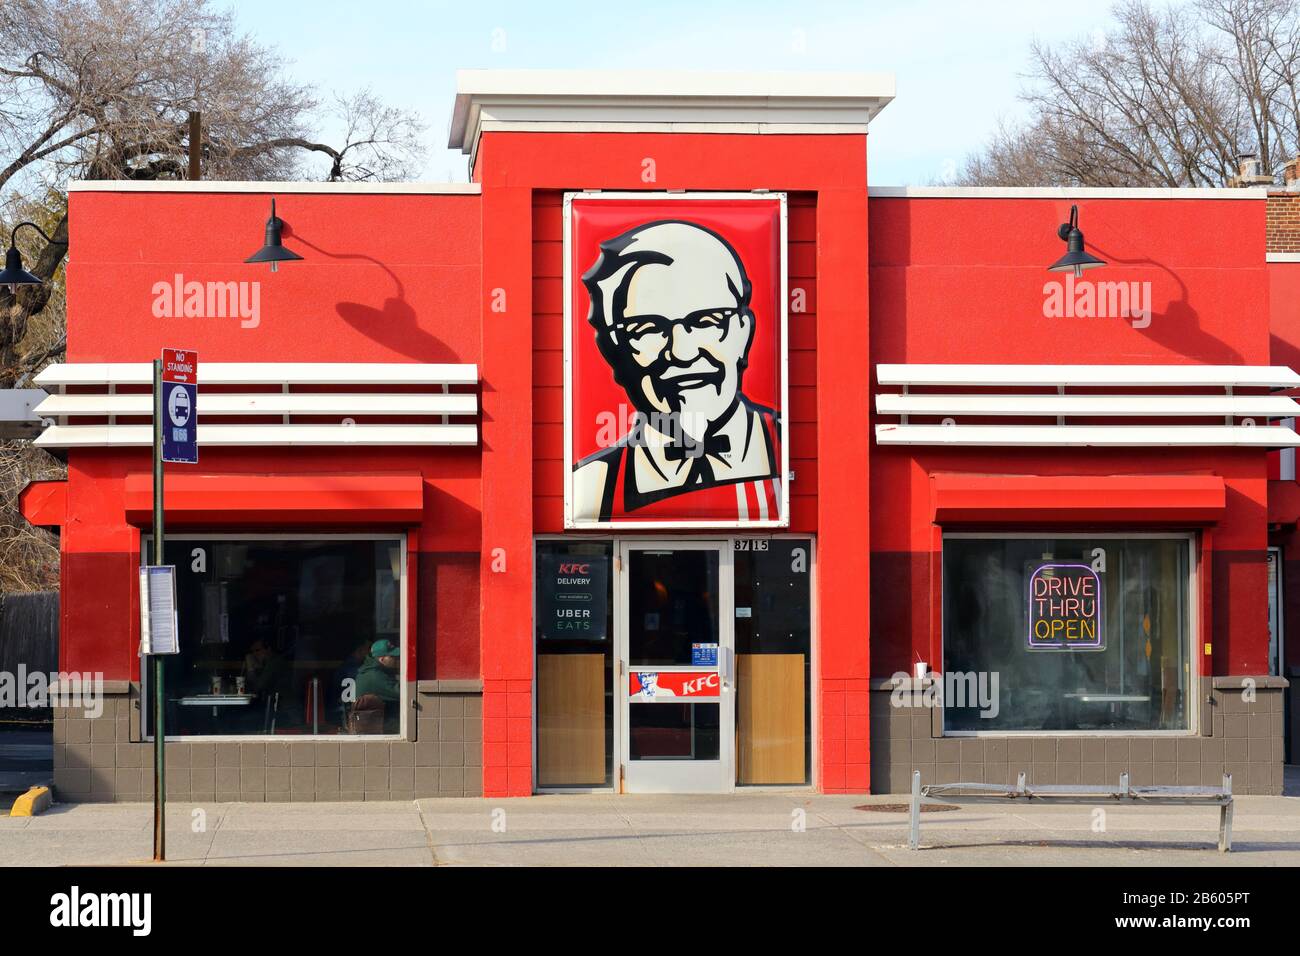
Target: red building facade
pixel 386 455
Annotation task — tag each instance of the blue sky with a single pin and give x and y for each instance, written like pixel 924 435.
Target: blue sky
pixel 958 65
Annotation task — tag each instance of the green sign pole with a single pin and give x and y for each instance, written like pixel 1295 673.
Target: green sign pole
pixel 159 762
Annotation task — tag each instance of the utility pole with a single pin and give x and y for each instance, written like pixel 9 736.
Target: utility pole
pixel 196 143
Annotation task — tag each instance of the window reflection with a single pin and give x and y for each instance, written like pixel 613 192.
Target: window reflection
pixel 773 661
pixel 285 637
pixel 1137 680
pixel 672 601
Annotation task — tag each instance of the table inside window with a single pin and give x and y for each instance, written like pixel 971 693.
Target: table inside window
pixel 216 700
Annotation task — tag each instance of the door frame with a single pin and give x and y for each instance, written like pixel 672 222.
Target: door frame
pixel 688 775
pixel 1277 600
pixel 729 537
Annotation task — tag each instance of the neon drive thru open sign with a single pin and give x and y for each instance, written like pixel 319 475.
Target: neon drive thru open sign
pixel 1065 608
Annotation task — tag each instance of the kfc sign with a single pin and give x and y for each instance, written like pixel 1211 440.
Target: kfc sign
pixel 676 344
pixel 646 686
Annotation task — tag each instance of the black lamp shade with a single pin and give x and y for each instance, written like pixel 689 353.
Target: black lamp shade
pixel 14 274
pixel 1075 259
pixel 273 251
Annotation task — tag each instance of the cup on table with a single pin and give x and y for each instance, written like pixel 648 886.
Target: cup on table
pixel 240 684
pixel 214 684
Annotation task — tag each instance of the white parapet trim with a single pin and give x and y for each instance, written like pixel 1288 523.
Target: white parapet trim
pixel 1066 193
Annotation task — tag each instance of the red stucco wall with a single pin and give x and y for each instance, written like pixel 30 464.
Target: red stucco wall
pixel 961 281
pixel 383 279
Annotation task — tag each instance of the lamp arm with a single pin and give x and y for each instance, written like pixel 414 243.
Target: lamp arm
pixel 31 225
pixel 1066 227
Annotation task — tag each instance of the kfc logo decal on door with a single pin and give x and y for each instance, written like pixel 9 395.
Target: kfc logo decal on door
pixel 676 360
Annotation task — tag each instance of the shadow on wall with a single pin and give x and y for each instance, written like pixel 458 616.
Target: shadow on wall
pixel 1178 327
pixel 393 324
pixel 1283 351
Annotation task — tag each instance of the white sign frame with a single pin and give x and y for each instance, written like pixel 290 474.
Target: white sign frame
pixel 629 525
pixel 151 642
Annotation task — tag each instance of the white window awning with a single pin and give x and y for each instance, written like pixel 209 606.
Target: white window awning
pixel 436 404
pixel 1088 405
pixel 1121 436
pixel 1065 376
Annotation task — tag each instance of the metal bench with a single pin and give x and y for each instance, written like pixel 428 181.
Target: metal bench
pixel 1078 794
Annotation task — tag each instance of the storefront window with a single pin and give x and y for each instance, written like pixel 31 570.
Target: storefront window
pixel 1066 633
pixel 285 637
pixel 575 653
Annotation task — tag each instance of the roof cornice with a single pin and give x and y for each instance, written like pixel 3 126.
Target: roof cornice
pixel 670 101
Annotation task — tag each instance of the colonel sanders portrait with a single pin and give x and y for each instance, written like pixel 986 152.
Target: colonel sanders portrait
pixel 670 308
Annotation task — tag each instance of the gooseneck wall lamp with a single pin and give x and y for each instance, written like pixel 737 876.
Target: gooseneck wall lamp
pixel 1075 259
pixel 14 274
pixel 273 250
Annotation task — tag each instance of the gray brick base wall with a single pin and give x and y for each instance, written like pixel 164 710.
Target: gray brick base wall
pixel 104 759
pixel 1244 738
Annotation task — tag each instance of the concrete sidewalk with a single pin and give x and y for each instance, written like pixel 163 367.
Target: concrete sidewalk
pixel 743 829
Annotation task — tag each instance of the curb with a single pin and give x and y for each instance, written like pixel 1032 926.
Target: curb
pixel 34 801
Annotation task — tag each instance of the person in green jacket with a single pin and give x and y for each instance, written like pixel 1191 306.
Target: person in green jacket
pixel 378 675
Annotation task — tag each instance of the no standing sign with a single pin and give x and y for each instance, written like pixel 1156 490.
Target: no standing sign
pixel 180 440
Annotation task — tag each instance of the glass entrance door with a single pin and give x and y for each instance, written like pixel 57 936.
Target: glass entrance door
pixel 676 683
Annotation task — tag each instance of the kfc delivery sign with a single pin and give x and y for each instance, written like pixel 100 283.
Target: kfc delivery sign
pixel 675 360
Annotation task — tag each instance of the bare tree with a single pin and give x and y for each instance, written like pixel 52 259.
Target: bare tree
pixel 380 143
pixel 102 89
pixel 29 557
pixel 1165 97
